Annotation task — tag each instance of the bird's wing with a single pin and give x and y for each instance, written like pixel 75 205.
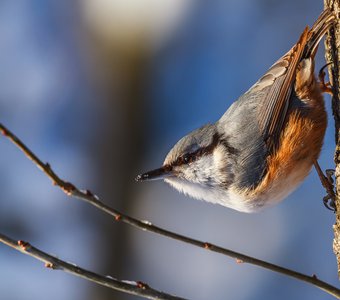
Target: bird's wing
pixel 277 85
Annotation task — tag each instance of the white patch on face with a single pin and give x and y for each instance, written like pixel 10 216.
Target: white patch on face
pixel 209 169
pixel 199 171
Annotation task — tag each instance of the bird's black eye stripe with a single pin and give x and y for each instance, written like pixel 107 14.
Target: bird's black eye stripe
pixel 191 157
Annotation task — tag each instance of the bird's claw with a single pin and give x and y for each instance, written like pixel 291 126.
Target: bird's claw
pixel 327 182
pixel 329 203
pixel 326 87
pixel 329 175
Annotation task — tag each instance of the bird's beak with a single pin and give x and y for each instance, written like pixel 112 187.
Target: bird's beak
pixel 156 174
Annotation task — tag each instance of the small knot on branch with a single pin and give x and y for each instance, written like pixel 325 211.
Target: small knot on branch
pixel 4 132
pixel 24 245
pixel 67 187
pixel 207 246
pixel 89 193
pixel 50 266
pixel 142 285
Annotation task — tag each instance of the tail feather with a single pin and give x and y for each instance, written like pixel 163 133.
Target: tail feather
pixel 318 30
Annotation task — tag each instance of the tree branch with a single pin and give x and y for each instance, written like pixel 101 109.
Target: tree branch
pixel 130 287
pixel 332 46
pixel 92 199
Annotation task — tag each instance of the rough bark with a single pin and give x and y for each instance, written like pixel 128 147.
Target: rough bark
pixel 332 46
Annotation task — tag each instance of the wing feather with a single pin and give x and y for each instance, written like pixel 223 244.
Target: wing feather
pixel 278 82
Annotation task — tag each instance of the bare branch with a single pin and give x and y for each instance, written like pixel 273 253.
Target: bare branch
pixel 92 199
pixel 131 287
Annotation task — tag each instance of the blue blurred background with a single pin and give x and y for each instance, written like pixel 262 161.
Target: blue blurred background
pixel 102 89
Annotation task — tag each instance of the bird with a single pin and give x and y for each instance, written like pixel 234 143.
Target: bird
pixel 267 141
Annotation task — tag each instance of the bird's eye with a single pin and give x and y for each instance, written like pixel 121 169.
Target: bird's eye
pixel 187 158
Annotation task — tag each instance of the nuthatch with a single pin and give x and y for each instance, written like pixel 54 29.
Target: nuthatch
pixel 265 144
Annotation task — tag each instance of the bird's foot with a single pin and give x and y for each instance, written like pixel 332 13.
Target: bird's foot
pixel 325 87
pixel 327 182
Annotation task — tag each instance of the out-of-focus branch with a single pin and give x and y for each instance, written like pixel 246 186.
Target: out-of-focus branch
pixel 92 199
pixel 131 287
pixel 332 45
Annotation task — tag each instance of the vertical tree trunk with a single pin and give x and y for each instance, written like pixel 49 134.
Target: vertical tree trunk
pixel 332 45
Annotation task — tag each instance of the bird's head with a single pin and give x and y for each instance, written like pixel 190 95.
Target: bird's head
pixel 199 162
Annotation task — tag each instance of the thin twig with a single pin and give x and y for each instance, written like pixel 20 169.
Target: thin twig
pixel 92 199
pixel 131 287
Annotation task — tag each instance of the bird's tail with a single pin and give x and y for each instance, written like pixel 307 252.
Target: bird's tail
pixel 318 30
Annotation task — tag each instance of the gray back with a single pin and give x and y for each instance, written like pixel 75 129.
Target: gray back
pixel 240 127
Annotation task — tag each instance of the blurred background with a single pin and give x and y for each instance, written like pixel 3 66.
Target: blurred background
pixel 102 89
